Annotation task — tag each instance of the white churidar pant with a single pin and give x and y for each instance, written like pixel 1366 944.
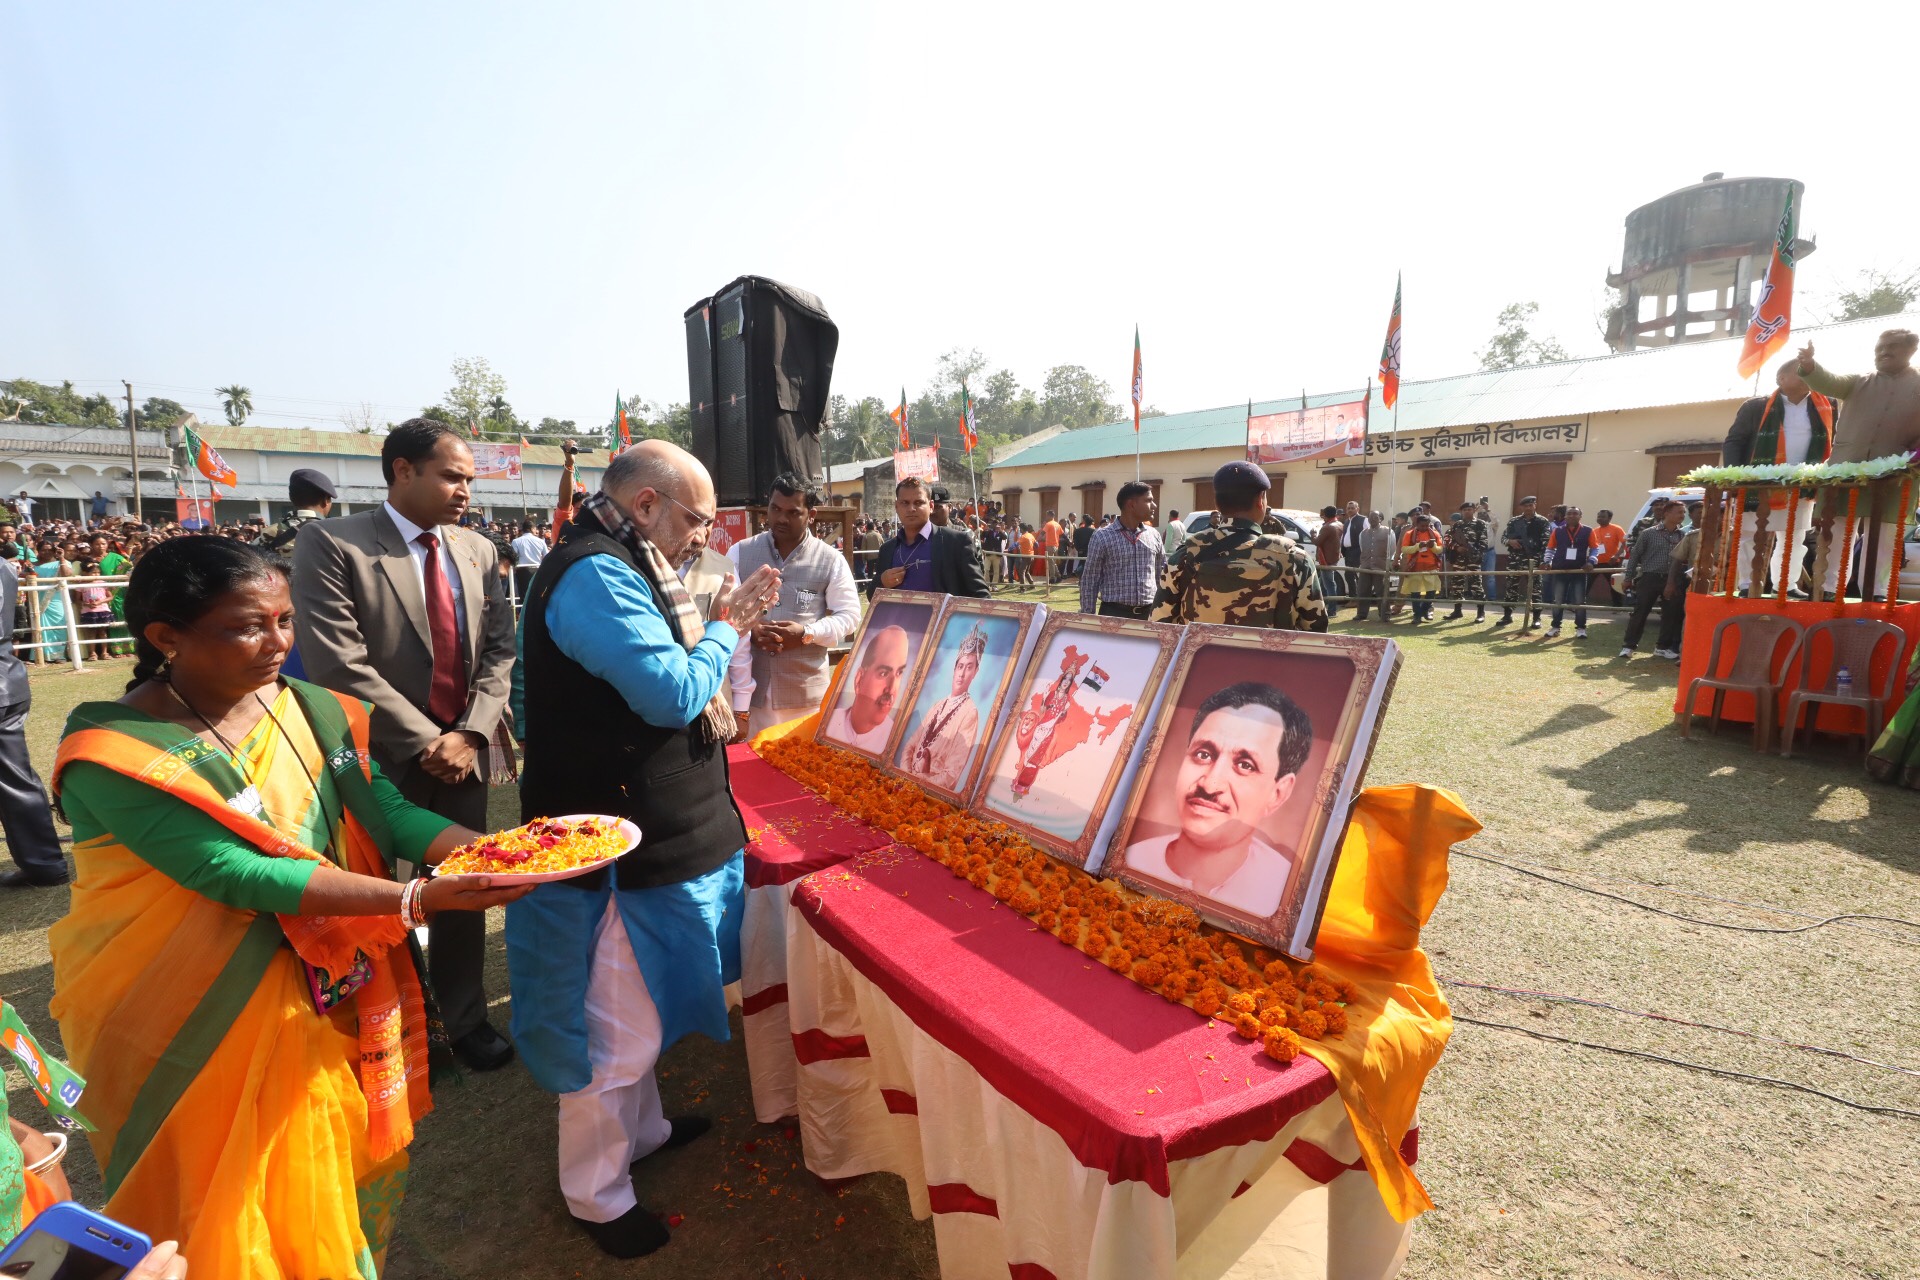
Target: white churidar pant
pixel 617 1118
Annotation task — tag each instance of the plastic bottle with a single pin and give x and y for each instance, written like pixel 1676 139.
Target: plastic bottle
pixel 1843 682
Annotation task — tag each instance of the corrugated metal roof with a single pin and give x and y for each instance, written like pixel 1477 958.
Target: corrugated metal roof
pixel 1689 373
pixel 845 472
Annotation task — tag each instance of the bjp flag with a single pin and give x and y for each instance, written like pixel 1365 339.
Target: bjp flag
pixel 1773 317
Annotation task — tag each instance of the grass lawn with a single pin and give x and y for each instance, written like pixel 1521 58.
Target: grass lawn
pixel 1545 1159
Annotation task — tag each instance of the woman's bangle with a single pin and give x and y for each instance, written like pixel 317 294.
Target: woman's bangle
pixel 412 911
pixel 52 1158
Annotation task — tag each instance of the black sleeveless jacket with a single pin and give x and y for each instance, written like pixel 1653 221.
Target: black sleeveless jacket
pixel 587 752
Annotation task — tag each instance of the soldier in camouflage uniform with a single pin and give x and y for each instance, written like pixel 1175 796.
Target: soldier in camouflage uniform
pixel 1242 569
pixel 1526 541
pixel 312 496
pixel 1466 547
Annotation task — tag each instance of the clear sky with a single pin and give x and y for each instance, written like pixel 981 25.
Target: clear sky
pixel 329 203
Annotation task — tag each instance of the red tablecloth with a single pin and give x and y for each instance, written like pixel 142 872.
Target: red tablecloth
pixel 1055 1120
pixel 1122 1075
pixel 791 830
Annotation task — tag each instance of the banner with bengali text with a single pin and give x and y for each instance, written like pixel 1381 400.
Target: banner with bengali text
pixel 495 461
pixel 1299 435
pixel 730 525
pixel 922 463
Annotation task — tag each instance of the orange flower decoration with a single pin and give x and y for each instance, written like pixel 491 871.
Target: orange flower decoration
pixel 1280 1044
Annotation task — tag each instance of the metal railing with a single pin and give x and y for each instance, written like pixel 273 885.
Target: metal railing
pixel 45 634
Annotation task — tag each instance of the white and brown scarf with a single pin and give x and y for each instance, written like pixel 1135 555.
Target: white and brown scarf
pixel 716 722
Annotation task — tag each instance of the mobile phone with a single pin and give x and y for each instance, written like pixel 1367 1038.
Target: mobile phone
pixel 70 1242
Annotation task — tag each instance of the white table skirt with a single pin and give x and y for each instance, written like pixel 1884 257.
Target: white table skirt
pixel 1007 1196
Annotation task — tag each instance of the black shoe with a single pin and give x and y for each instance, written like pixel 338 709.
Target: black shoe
pixel 685 1130
pixel 1457 612
pixel 1505 621
pixel 18 879
pixel 484 1049
pixel 634 1234
pixel 1480 614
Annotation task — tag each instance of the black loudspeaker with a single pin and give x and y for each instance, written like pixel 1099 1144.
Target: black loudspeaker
pixel 759 371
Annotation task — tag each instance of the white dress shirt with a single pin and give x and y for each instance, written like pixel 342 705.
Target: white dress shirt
pixel 411 532
pixel 529 549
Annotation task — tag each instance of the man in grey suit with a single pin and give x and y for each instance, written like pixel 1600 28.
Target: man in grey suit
pixel 402 608
pixel 24 814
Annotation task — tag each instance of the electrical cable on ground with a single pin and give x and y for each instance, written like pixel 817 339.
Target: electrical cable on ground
pixel 1691 1066
pixel 1683 1022
pixel 1675 915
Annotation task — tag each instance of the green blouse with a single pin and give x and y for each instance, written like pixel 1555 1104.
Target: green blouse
pixel 186 845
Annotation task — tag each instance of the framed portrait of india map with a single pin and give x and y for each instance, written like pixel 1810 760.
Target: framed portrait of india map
pixel 1253 761
pixel 1061 761
pixel 977 651
pixel 865 704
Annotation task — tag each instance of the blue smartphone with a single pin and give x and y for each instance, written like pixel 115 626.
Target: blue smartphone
pixel 70 1242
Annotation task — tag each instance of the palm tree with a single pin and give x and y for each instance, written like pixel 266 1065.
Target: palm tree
pixel 237 401
pixel 498 410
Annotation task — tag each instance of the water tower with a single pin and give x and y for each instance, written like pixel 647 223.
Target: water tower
pixel 1692 260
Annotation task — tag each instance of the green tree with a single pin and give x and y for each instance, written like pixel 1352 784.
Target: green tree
pixel 236 401
pixel 475 387
pixel 553 431
pixel 62 405
pixel 1513 343
pixel 158 412
pixel 500 412
pixel 1074 397
pixel 857 430
pixel 1879 293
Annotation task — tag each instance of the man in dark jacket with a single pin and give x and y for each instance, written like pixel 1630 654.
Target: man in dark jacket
pixel 1793 425
pixel 923 556
pixel 626 715
pixel 23 800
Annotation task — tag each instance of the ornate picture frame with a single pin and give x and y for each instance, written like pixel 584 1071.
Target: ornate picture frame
pixel 958 612
pixel 888 608
pixel 1312 822
pixel 1153 644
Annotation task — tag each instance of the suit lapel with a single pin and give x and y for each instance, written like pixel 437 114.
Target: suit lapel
pixel 473 594
pixel 403 575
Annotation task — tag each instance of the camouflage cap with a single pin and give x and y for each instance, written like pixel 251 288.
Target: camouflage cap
pixel 1241 475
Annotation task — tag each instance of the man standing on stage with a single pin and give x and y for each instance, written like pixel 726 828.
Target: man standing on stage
pixel 786 674
pixel 1124 560
pixel 923 556
pixel 1793 425
pixel 401 607
pixel 626 716
pixel 1883 418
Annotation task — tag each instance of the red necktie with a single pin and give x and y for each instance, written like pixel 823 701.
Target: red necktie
pixel 448 696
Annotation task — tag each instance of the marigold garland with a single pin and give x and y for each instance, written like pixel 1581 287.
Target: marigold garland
pixel 1159 945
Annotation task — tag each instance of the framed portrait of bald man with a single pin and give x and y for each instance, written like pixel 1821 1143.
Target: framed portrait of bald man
pixel 1254 759
pixel 961 697
pixel 862 711
pixel 1061 764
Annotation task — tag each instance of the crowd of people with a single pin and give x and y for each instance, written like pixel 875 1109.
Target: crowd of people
pixel 239 977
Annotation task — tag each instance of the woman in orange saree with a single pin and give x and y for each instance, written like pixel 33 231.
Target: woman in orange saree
pixel 237 977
